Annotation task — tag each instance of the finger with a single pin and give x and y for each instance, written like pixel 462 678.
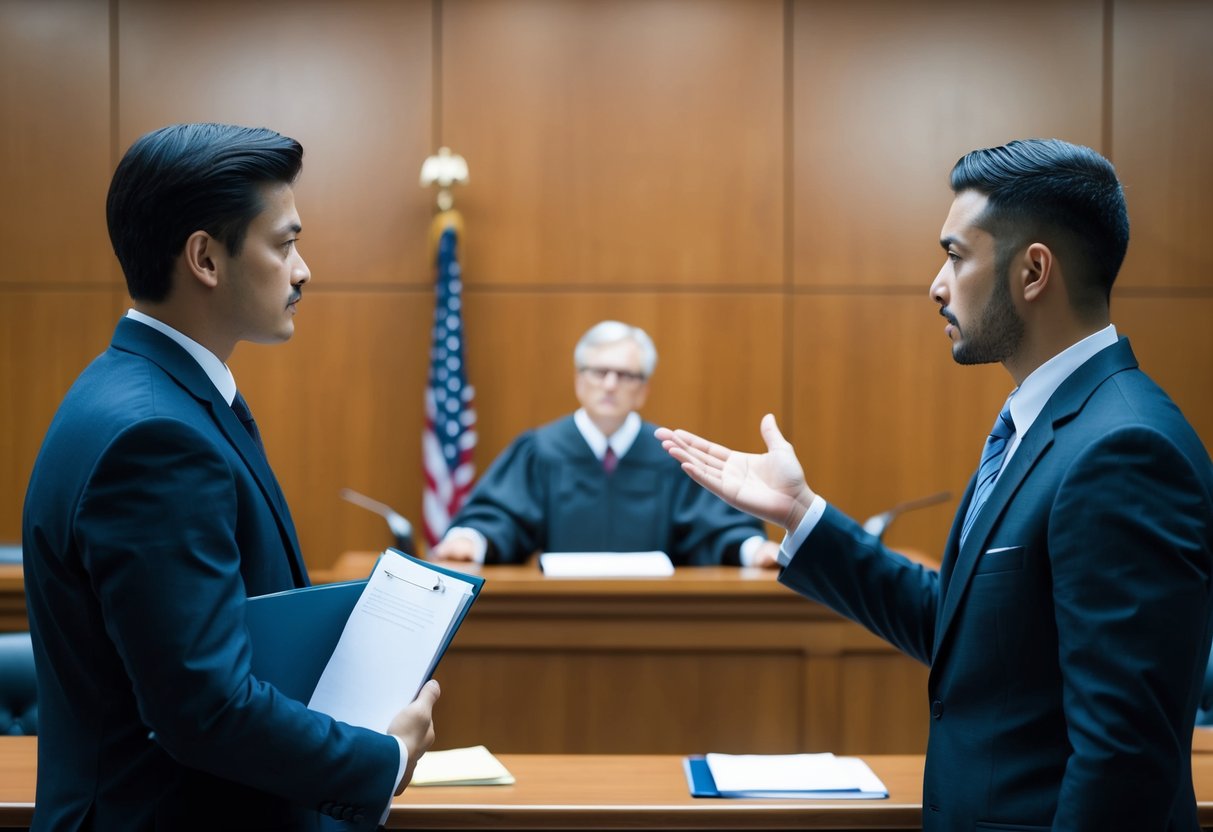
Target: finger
pixel 708 478
pixel 710 453
pixel 428 695
pixel 771 433
pixel 696 457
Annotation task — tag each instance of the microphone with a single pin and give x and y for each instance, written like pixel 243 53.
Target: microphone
pixel 878 524
pixel 401 528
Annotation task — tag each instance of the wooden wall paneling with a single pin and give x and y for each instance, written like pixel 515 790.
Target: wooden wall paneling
pixel 351 81
pixel 884 684
pixel 626 143
pixel 888 95
pixel 54 142
pixel 882 412
pixel 719 368
pixel 344 398
pixel 1173 342
pixel 47 338
pixel 1162 129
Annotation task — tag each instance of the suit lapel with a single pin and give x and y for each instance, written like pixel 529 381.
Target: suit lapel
pixel 158 348
pixel 1065 403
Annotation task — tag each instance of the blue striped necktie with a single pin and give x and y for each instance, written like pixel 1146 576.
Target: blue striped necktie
pixel 992 457
pixel 240 406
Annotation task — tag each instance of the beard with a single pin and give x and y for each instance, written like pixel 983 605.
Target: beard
pixel 997 334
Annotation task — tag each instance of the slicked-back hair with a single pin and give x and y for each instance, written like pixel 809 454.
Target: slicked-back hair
pixel 1064 195
pixel 610 332
pixel 186 178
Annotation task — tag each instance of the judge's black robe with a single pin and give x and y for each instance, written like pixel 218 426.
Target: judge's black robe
pixel 548 492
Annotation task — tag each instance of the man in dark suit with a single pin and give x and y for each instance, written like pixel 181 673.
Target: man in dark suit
pixel 1069 625
pixel 152 514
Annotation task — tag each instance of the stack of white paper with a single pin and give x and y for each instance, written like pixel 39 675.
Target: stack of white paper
pixel 794 775
pixel 606 564
pixel 461 767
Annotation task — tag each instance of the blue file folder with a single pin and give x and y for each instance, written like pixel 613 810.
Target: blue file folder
pixel 701 784
pixel 294 633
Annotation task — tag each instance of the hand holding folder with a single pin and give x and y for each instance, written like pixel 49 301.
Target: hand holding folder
pixel 360 651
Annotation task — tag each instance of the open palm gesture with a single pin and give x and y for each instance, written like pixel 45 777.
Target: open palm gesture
pixel 769 486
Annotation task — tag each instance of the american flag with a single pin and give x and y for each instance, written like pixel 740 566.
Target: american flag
pixel 450 420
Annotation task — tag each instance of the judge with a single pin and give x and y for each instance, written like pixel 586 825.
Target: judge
pixel 598 480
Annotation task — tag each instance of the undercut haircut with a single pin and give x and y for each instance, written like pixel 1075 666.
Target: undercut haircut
pixel 1064 195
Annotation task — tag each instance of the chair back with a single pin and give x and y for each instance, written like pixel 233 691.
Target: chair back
pixel 18 687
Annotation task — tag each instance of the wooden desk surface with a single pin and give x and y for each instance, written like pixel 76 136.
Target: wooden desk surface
pixel 605 792
pixel 527 580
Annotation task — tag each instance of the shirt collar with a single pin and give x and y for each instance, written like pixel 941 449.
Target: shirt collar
pixel 215 370
pixel 1030 397
pixel 620 441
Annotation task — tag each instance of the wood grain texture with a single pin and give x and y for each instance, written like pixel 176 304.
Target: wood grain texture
pixel 47 338
pixel 350 81
pixel 618 143
pixel 54 143
pixel 714 658
pixel 886 97
pixel 1162 128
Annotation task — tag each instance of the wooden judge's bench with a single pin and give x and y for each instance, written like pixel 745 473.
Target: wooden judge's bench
pixel 711 659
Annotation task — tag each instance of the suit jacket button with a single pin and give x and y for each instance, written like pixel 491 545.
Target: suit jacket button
pixel 936 709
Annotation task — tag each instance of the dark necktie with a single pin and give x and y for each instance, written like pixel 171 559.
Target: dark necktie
pixel 609 460
pixel 991 463
pixel 240 408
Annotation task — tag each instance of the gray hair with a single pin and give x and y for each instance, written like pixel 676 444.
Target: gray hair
pixel 610 332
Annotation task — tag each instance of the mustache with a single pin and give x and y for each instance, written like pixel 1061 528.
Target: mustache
pixel 943 310
pixel 296 296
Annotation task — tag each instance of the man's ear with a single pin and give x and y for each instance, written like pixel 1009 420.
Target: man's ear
pixel 202 257
pixel 1037 269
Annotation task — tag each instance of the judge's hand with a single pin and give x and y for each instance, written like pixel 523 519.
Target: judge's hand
pixel 769 486
pixel 415 725
pixel 454 547
pixel 767 555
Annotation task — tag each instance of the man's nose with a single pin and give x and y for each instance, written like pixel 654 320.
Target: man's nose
pixel 939 289
pixel 301 273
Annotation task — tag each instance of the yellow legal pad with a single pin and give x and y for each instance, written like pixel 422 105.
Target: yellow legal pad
pixel 461 767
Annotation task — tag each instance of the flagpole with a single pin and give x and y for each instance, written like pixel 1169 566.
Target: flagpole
pixel 450 417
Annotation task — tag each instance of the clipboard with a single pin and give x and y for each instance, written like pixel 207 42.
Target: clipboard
pixel 294 633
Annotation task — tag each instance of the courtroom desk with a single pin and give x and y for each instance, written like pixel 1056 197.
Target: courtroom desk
pixel 604 792
pixel 12 599
pixel 711 659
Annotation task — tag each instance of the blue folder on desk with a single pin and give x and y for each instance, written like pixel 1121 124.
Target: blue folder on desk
pixel 701 784
pixel 294 632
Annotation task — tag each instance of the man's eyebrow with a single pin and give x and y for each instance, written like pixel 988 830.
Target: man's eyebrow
pixel 949 242
pixel 293 227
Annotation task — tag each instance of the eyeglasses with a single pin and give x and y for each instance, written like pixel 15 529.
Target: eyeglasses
pixel 625 378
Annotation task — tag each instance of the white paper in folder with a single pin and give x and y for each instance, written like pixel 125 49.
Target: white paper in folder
pixel 392 641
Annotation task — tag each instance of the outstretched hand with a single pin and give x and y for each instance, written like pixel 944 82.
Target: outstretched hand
pixel 770 486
